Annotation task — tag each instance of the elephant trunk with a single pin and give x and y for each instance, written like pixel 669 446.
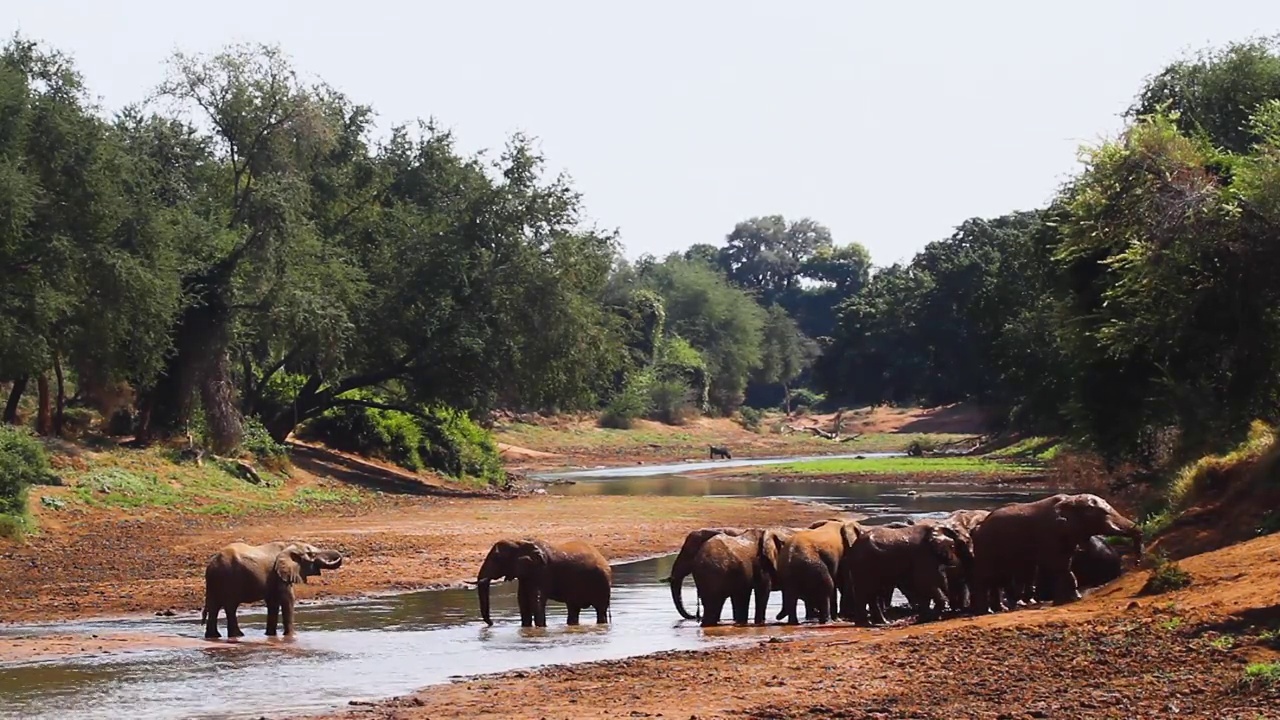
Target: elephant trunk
pixel 482 588
pixel 677 584
pixel 1120 525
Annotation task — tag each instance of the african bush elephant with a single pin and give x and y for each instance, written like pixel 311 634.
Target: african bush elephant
pixel 805 566
pixel 572 572
pixel 912 558
pixel 1015 539
pixel 240 574
pixel 1094 563
pixel 683 565
pixel 728 567
pixel 960 577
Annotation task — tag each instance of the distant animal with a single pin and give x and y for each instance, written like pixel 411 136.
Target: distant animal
pixel 571 572
pixel 240 574
pixel 721 451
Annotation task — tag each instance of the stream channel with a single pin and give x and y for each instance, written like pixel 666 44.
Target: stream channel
pixel 395 644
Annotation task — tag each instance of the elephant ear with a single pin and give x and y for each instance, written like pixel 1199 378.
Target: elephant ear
pixel 769 545
pixel 288 568
pixel 963 544
pixel 530 558
pixel 849 533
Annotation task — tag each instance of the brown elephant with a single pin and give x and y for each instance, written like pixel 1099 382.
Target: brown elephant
pixel 1012 542
pixel 960 577
pixel 728 567
pixel 806 565
pixel 913 558
pixel 240 574
pixel 1094 563
pixel 573 573
pixel 683 565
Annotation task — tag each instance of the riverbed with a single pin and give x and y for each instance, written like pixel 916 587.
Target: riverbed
pixel 394 644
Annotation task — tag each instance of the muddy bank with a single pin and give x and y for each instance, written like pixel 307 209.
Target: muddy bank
pixel 1115 654
pixel 155 561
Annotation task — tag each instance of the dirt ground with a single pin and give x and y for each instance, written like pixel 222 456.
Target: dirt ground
pixel 154 562
pixel 1115 654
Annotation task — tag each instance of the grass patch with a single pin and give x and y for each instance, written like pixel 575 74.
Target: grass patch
pixel 1260 676
pixel 1036 448
pixel 1166 576
pixel 16 527
pixel 1223 642
pixel 897 466
pixel 1203 473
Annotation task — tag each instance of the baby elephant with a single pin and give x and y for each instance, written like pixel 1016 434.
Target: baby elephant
pixel 241 574
pixel 720 451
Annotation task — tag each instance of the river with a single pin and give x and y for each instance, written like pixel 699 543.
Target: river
pixel 392 645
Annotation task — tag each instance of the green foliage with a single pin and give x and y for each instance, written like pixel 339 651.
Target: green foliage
pixel 671 401
pixel 1260 676
pixel 440 438
pixel 1193 479
pixel 259 442
pixel 23 463
pixel 632 403
pixel 1166 576
pixel 804 398
pixel 750 418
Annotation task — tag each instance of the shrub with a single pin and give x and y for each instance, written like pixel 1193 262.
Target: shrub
pixel 631 403
pixel 1166 576
pixel 440 438
pixel 77 420
pixel 23 462
pixel 258 442
pixel 1260 676
pixel 671 401
pixel 750 418
pixel 804 399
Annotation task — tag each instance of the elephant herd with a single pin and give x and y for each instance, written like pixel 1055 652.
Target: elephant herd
pixel 971 560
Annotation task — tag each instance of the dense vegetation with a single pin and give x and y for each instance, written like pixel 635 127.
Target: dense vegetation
pixel 244 246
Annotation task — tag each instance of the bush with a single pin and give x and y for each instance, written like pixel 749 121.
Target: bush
pixel 750 418
pixel 441 438
pixel 1166 576
pixel 23 463
pixel 258 442
pixel 804 399
pixel 671 401
pixel 631 403
pixel 77 420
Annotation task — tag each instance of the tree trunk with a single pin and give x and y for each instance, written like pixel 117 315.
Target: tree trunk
pixel 44 418
pixel 15 396
pixel 786 399
pixel 62 396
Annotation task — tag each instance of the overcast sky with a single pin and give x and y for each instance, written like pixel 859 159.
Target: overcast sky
pixel 889 122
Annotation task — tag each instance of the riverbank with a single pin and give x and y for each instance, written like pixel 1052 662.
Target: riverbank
pixel 1115 654
pixel 896 471
pixel 114 563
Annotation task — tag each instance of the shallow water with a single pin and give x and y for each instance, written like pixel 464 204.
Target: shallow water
pixel 694 465
pixel 393 645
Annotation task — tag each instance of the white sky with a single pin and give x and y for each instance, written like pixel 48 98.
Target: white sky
pixel 889 122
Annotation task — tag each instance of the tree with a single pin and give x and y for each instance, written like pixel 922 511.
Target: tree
pixel 765 255
pixel 785 352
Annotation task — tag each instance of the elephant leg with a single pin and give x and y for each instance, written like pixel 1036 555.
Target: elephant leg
pixel 711 607
pixel 540 606
pixel 1065 587
pixel 789 601
pixel 741 605
pixel 286 614
pixel 602 613
pixel 273 616
pixel 233 623
pixel 762 602
pixel 574 612
pixel 212 609
pixel 526 604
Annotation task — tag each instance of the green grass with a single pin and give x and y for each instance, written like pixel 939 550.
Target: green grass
pixel 16 527
pixel 134 479
pixel 1259 676
pixel 1193 478
pixel 1166 576
pixel 897 466
pixel 1037 448
pixel 1223 642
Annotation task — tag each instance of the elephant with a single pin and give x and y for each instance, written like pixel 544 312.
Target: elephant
pixel 960 577
pixel 913 558
pixel 1016 539
pixel 721 451
pixel 240 574
pixel 728 567
pixel 683 565
pixel 806 565
pixel 1094 563
pixel 572 572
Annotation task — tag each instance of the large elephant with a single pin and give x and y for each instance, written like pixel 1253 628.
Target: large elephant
pixel 1016 539
pixel 1094 563
pixel 240 574
pixel 683 565
pixel 806 565
pixel 913 558
pixel 729 567
pixel 573 573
